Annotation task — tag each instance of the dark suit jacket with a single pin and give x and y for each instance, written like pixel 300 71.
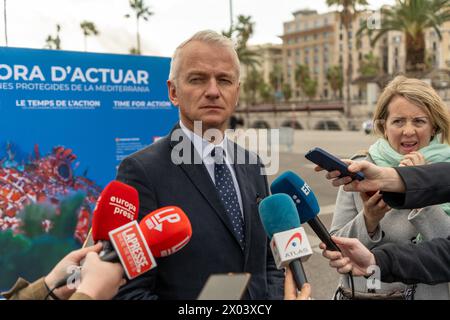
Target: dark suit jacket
pixel 427 262
pixel 425 185
pixel 213 247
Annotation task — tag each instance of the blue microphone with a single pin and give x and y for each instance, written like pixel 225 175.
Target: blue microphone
pixel 289 242
pixel 306 203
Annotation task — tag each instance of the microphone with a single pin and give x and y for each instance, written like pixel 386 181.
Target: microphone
pixel 167 230
pixel 289 243
pixel 306 203
pixel 162 232
pixel 116 206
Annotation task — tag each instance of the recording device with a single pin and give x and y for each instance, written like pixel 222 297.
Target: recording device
pixel 331 163
pixel 229 286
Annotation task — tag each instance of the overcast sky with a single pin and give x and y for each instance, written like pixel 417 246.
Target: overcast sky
pixel 31 21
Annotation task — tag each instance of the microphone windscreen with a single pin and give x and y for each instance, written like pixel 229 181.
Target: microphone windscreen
pixel 304 198
pixel 166 230
pixel 278 213
pixel 117 205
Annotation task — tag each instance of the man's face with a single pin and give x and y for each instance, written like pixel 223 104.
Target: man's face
pixel 207 85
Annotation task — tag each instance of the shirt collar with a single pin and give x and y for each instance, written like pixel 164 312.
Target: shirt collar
pixel 201 145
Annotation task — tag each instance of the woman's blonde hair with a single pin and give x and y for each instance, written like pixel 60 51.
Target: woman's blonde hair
pixel 420 94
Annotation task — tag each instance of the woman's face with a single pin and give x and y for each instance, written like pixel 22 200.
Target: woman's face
pixel 408 128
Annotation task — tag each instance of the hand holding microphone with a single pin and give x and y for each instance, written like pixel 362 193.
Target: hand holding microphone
pixel 100 280
pixel 355 257
pixel 290 288
pixel 58 272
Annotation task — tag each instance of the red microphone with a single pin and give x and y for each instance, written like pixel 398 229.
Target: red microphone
pixel 160 233
pixel 167 230
pixel 117 205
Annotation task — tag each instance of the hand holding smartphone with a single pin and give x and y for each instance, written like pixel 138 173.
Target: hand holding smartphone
pixel 332 163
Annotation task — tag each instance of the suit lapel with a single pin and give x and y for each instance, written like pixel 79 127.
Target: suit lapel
pixel 243 180
pixel 199 177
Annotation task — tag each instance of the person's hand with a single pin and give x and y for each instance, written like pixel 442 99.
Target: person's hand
pixel 354 256
pixel 62 269
pixel 374 210
pixel 290 288
pixel 376 178
pixel 414 158
pixel 100 280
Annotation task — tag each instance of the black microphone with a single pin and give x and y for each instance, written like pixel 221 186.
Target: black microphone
pixel 306 203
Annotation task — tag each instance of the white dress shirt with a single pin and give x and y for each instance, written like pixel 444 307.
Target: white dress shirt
pixel 204 148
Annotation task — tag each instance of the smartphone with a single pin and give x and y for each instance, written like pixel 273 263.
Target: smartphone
pixel 229 286
pixel 331 163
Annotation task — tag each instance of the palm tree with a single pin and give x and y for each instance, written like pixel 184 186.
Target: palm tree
pixel 89 29
pixel 4 20
pixel 335 78
pixel 287 92
pixel 244 30
pixel 141 11
pixel 370 65
pixel 301 76
pixel 347 15
pixel 412 18
pixel 54 42
pixel 251 85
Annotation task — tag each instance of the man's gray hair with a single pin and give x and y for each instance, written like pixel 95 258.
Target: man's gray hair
pixel 205 36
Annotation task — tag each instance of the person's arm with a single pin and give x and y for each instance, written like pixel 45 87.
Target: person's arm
pixel 132 172
pixel 425 185
pixel 349 219
pixel 23 290
pixel 427 262
pixel 39 289
pixel 403 187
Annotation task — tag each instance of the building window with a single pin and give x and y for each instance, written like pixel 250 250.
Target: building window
pixel 297 52
pixel 305 38
pixel 434 45
pixel 396 52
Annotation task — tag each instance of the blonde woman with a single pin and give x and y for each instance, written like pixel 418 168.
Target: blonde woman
pixel 413 123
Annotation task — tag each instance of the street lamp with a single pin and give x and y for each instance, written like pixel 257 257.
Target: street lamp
pixel 231 14
pixel 4 13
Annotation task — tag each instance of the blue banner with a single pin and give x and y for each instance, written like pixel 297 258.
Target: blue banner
pixel 68 119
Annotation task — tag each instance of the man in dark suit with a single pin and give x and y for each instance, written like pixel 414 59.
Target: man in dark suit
pixel 213 180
